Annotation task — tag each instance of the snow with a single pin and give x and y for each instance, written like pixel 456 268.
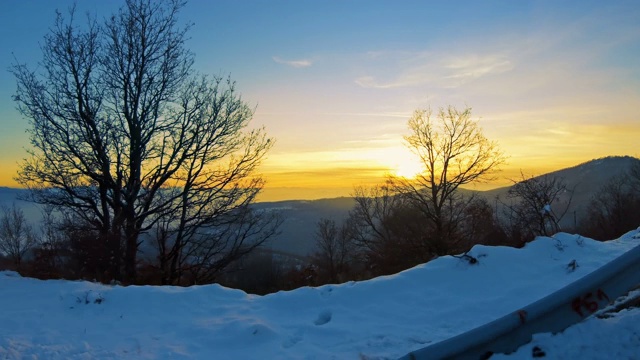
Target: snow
pixel 383 318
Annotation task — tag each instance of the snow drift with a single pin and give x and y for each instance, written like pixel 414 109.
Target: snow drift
pixel 377 319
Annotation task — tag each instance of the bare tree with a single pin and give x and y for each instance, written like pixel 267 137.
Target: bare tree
pixel 334 248
pixel 634 177
pixel 538 204
pixel 49 256
pixel 327 244
pixel 126 135
pixel 480 225
pixel 614 209
pixel 454 152
pixel 16 235
pixel 373 207
pixel 209 248
pixel 388 232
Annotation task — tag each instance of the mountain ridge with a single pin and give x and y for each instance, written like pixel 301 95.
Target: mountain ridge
pixel 301 216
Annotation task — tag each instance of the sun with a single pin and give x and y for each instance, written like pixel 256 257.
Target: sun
pixel 402 163
pixel 408 168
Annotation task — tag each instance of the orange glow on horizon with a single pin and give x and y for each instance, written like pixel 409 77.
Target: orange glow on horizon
pixel 330 182
pixel 292 175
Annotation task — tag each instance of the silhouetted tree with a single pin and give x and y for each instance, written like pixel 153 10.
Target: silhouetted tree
pixel 388 233
pixel 454 152
pixel 51 254
pixel 258 273
pixel 126 135
pixel 634 178
pixel 537 205
pixel 16 235
pixel 480 225
pixel 335 250
pixel 614 210
pixel 373 206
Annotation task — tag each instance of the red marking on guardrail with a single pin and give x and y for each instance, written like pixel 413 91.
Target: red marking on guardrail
pixel 602 295
pixel 589 302
pixel 523 316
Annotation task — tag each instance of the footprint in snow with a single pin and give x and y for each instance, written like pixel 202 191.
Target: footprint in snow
pixel 323 318
pixel 292 340
pixel 326 292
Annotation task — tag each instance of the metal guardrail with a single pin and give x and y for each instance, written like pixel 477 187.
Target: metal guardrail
pixel 552 313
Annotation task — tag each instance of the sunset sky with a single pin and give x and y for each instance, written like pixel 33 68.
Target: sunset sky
pixel 555 83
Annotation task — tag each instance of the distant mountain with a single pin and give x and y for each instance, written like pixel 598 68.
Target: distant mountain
pixel 585 179
pixel 589 176
pixel 301 216
pixel 10 196
pixel 297 231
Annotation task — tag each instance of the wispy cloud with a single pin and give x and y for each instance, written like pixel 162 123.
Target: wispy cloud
pixel 386 114
pixel 371 82
pixel 302 63
pixel 447 71
pixel 464 68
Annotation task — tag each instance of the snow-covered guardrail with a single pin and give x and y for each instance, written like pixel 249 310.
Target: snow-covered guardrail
pixel 552 313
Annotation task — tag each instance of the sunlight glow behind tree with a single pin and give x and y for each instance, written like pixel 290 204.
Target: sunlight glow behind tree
pixel 454 152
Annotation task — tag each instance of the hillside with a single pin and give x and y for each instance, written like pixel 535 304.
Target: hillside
pixel 300 216
pixel 383 318
pixel 585 179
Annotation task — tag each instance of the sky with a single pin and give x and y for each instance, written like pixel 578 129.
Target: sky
pixel 383 318
pixel 554 83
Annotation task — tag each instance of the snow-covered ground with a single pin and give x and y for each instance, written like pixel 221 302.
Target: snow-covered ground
pixel 377 319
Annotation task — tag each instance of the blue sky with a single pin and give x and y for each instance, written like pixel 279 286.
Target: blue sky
pixel 554 82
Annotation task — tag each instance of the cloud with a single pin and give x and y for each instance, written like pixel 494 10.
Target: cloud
pixel 302 63
pixel 386 114
pixel 370 82
pixel 440 70
pixel 473 66
pixel 544 64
